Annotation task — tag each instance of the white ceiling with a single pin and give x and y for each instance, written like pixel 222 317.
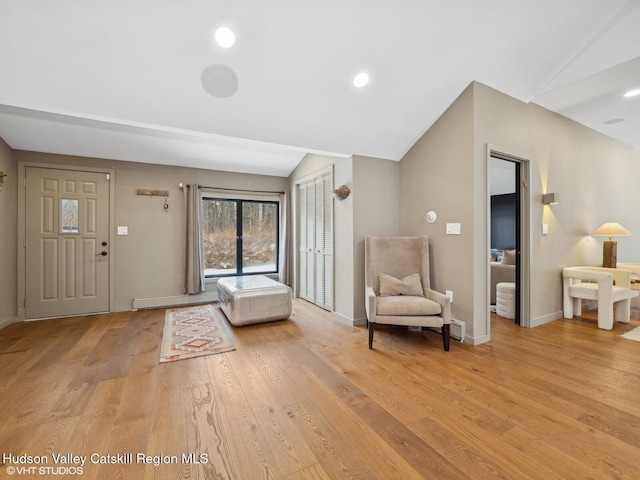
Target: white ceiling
pixel 121 79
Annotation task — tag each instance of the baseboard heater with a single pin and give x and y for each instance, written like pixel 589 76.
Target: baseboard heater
pixel 174 300
pixel 457 329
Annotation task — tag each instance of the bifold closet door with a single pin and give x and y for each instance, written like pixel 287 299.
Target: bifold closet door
pixel 316 241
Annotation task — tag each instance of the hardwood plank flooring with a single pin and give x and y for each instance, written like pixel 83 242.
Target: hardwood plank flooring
pixel 306 399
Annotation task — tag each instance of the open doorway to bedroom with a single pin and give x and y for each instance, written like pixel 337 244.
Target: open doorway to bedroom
pixel 508 237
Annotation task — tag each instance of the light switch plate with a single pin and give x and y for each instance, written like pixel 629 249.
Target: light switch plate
pixel 123 230
pixel 545 229
pixel 453 229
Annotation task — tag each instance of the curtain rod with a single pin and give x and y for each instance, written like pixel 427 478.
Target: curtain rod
pixel 238 190
pixel 181 185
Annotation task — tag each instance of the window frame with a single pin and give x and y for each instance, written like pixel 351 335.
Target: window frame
pixel 240 200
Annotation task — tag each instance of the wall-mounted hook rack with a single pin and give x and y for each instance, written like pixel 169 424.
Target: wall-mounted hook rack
pixel 153 193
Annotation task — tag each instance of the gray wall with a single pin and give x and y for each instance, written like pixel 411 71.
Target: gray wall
pixel 8 236
pixel 149 262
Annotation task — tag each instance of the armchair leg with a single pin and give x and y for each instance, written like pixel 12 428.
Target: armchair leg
pixel 371 328
pixel 446 330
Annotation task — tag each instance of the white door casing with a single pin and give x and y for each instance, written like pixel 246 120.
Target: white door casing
pixel 67 242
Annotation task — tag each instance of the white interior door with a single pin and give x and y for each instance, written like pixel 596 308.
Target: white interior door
pixel 66 242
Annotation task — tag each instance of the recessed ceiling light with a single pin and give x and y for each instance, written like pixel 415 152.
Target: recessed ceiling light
pixel 361 80
pixel 225 37
pixel 632 93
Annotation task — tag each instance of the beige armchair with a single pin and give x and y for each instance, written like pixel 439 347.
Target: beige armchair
pixel 398 289
pixel 610 287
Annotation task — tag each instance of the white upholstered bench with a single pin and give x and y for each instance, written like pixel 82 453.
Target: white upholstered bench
pixel 253 299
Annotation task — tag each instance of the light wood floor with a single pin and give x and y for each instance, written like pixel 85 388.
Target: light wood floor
pixel 306 399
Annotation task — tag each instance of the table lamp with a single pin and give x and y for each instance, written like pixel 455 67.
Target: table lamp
pixel 609 247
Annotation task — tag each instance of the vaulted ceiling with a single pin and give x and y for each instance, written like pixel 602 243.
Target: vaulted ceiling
pixel 126 79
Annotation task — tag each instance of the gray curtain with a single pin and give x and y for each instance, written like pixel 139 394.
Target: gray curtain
pixel 285 253
pixel 194 268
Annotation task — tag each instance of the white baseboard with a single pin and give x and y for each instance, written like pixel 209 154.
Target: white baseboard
pixel 476 340
pixel 360 321
pixel 347 320
pixel 8 321
pixel 174 300
pixel 536 322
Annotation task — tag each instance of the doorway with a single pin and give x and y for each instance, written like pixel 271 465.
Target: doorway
pixel 508 229
pixel 67 242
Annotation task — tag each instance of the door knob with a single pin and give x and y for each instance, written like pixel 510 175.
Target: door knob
pixel 103 253
pixel 104 244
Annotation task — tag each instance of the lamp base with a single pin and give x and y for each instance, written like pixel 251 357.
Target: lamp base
pixel 609 254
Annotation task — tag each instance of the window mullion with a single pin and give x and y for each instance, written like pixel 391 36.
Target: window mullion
pixel 239 246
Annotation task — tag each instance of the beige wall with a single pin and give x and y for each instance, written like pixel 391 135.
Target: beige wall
pixel 376 206
pixel 371 209
pixel 8 236
pixel 343 292
pixel 437 174
pixel 446 171
pixel 149 262
pixel 595 176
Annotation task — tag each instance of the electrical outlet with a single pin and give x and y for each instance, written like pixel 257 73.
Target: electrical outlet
pixel 449 294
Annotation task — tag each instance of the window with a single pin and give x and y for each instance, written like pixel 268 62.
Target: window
pixel 69 208
pixel 240 237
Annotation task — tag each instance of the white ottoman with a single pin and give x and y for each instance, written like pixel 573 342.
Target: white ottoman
pixel 506 299
pixel 253 299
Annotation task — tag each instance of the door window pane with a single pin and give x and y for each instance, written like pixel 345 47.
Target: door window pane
pixel 69 214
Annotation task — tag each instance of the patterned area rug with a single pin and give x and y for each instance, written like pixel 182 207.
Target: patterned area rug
pixel 194 331
pixel 632 334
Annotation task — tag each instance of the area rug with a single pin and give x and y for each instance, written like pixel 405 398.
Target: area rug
pixel 193 332
pixel 632 334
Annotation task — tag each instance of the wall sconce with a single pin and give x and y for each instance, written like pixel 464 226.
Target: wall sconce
pixel 550 198
pixel 2 177
pixel 610 248
pixel 341 192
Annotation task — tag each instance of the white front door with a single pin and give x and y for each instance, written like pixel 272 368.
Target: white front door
pixel 66 242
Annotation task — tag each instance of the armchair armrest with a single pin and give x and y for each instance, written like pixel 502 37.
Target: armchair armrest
pixel 370 304
pixel 444 302
pixel 621 278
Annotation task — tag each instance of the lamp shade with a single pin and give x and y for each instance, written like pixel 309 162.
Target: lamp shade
pixel 610 229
